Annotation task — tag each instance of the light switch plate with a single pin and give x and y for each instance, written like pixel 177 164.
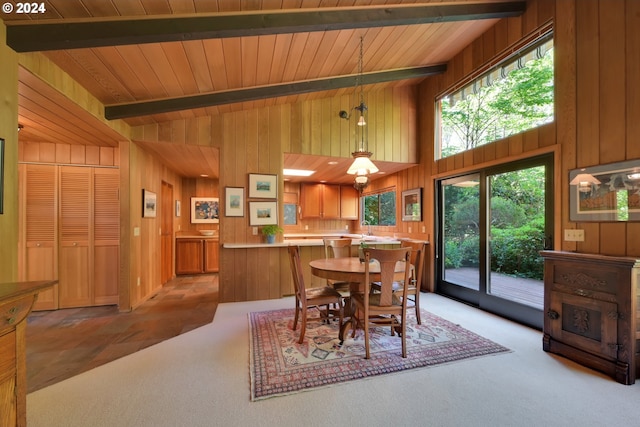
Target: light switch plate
pixel 574 235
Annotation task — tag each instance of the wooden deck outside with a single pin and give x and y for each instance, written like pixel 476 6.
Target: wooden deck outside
pixel 524 291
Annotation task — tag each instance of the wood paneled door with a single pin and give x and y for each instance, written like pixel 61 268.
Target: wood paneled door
pixel 70 232
pixel 166 233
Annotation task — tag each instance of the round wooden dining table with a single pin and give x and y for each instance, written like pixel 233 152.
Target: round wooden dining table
pixel 350 270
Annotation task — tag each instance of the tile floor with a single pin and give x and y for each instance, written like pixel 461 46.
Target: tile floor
pixel 67 342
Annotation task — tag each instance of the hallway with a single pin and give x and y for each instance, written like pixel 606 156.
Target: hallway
pixel 64 343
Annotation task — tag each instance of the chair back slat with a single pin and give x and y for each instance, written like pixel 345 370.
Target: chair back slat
pixel 387 258
pixel 337 248
pixel 418 249
pixel 296 270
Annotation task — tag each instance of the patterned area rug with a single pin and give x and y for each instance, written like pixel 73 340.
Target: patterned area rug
pixel 279 365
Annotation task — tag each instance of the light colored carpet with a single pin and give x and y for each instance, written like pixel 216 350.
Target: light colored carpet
pixel 202 379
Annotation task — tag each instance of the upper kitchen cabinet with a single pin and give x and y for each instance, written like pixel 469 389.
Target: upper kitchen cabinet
pixel 320 201
pixel 328 201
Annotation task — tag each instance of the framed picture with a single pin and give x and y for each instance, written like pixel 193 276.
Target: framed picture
pixel 149 204
pixel 412 205
pixel 1 176
pixel 234 201
pixel 605 193
pixel 263 186
pixel 263 213
pixel 177 208
pixel 205 210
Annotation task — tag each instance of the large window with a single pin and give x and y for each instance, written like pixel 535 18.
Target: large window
pixel 512 97
pixel 379 209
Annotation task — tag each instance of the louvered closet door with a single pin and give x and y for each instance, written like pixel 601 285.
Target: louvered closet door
pixel 38 217
pixel 106 218
pixel 75 288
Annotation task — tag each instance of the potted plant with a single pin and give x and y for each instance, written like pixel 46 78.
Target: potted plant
pixel 361 248
pixel 270 231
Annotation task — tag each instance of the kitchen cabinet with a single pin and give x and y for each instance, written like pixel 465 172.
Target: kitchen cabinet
pixel 197 255
pixel 349 202
pixel 591 311
pixel 328 201
pixel 16 302
pixel 320 201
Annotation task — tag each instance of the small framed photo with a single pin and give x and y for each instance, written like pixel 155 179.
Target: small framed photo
pixel 205 210
pixel 412 205
pixel 263 213
pixel 177 208
pixel 149 204
pixel 234 201
pixel 263 186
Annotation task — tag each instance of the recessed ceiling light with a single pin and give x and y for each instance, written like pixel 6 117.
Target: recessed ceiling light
pixel 333 162
pixel 297 172
pixel 204 175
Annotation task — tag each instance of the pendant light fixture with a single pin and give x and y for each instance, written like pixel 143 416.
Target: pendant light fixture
pixel 362 165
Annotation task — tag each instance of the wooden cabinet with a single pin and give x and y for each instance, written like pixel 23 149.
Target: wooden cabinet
pixel 16 301
pixel 211 255
pixel 70 231
pixel 328 201
pixel 349 202
pixel 197 255
pixel 74 227
pixel 591 311
pixel 38 243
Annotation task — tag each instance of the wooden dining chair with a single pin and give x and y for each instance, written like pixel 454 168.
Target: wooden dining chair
pixel 338 248
pixel 312 297
pixel 383 307
pixel 418 248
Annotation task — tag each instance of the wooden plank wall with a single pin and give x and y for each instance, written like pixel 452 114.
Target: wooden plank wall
pixel 606 51
pixel 254 142
pixel 9 131
pixel 597 60
pixel 141 252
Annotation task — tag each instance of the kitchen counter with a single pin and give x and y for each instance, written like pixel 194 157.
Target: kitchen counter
pixel 196 236
pixel 313 240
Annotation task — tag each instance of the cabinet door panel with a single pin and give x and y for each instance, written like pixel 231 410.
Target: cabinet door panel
pixel 39 217
pixel 106 273
pixel 331 202
pixel 74 289
pixel 311 200
pixel 106 225
pixel 211 255
pixel 189 256
pixel 75 217
pixel 349 200
pixel 8 401
pixel 585 323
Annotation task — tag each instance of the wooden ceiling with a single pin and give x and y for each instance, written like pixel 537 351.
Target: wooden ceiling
pixel 152 61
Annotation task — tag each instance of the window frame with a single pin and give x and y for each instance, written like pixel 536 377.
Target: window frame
pixel 379 194
pixel 503 61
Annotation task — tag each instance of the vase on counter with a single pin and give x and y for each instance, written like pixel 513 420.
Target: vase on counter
pixel 271 238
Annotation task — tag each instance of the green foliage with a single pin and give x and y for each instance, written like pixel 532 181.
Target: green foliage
pixel 506 213
pixel 515 251
pixel 269 230
pixel 379 209
pixel 522 100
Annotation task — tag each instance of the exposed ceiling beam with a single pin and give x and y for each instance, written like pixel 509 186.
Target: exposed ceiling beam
pixel 144 108
pixel 59 35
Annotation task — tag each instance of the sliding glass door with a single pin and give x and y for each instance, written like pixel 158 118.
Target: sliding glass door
pixel 491 226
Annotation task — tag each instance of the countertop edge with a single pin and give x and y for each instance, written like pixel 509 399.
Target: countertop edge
pixel 301 242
